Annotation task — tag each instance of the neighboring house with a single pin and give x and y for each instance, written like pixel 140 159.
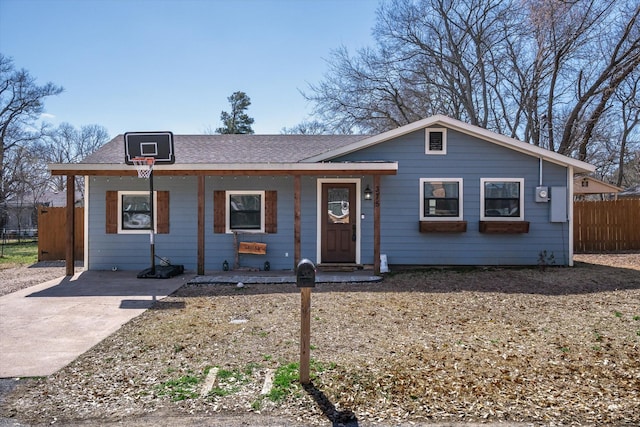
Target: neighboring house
pixel 630 193
pixel 57 199
pixel 434 192
pixel 19 217
pixel 586 186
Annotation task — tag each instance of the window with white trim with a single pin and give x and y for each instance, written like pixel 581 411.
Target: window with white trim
pixel 501 199
pixel 246 211
pixel 435 141
pixel 441 199
pixel 135 212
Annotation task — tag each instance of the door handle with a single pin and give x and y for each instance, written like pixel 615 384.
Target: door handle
pixel 353 232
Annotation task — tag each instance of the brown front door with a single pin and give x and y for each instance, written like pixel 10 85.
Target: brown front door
pixel 339 225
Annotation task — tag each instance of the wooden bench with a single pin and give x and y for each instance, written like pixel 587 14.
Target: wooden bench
pixel 252 248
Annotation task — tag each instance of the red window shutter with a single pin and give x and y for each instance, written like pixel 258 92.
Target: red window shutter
pixel 163 212
pixel 111 220
pixel 219 212
pixel 271 211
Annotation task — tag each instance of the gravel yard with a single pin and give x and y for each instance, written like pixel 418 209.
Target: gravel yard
pixel 560 346
pixel 13 279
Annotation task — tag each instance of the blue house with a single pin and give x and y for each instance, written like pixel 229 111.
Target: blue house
pixel 434 192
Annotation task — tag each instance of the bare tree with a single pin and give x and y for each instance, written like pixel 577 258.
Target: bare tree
pixel 313 127
pixel 437 56
pixel 628 99
pixel 21 103
pixel 597 81
pixel 66 144
pixel 28 183
pixel 543 71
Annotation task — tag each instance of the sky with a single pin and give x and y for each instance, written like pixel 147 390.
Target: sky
pixel 170 65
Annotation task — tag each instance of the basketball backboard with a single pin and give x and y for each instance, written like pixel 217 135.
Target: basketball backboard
pixel 158 145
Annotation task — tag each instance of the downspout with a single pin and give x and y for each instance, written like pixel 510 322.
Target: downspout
pixel 540 173
pixel 570 210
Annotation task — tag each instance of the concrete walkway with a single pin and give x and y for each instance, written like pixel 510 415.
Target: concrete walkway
pixel 45 327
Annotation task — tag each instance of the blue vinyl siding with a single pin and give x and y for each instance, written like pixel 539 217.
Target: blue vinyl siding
pixel 470 159
pixel 467 157
pixel 131 252
pixel 219 247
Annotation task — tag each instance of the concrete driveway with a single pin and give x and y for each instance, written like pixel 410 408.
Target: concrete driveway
pixel 45 327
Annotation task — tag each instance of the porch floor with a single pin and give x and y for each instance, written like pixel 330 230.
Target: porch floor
pixel 283 276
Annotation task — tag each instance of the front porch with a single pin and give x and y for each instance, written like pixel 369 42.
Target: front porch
pixel 280 277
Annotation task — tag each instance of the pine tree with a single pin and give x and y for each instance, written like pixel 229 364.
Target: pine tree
pixel 237 121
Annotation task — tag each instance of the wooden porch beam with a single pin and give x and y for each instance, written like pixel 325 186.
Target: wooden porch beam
pixel 216 172
pixel 201 221
pixel 296 221
pixel 376 224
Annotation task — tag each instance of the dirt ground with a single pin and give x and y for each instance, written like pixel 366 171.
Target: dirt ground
pixel 504 345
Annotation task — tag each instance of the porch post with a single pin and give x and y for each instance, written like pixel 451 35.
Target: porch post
pixel 376 224
pixel 296 221
pixel 71 225
pixel 201 198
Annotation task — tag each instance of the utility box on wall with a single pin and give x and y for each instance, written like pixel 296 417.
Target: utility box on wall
pixel 542 194
pixel 558 204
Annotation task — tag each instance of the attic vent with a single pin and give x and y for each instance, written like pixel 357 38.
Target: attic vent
pixel 436 141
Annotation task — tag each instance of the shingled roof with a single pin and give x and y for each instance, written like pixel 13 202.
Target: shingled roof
pixel 204 149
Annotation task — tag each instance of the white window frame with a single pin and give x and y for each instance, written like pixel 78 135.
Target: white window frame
pixel 155 212
pixel 501 218
pixel 228 195
pixel 460 200
pixel 427 135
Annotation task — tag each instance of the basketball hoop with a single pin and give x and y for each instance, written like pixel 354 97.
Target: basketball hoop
pixel 144 166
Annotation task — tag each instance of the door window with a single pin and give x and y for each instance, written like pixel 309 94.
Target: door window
pixel 338 206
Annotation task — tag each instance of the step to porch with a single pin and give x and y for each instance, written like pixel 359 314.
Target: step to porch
pixel 339 267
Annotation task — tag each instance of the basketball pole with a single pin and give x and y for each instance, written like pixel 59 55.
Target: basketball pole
pixel 151 229
pixel 143 150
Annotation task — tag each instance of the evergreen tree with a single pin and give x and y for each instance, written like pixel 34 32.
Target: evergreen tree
pixel 237 121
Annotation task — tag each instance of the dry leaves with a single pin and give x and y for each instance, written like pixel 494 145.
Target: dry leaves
pixel 558 347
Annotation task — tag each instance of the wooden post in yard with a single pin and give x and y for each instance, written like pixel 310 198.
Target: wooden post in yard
pixel 305 334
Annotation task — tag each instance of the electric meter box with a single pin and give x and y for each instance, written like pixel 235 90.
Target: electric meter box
pixel 542 194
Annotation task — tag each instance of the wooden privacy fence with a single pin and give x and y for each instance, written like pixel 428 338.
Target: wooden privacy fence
pixel 52 234
pixel 606 226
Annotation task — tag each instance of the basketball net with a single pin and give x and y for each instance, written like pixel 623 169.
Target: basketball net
pixel 144 166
